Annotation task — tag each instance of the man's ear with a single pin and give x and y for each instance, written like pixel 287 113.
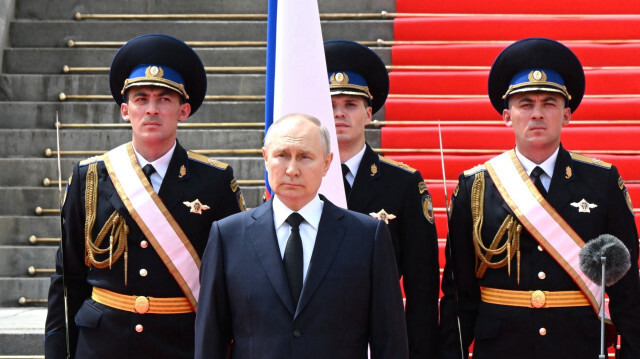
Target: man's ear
pixel 124 111
pixel 506 116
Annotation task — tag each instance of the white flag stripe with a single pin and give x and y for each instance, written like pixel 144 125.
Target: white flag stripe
pixel 301 84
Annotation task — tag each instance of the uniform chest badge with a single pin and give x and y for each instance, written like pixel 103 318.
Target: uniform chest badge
pixel 196 206
pixel 584 206
pixel 383 216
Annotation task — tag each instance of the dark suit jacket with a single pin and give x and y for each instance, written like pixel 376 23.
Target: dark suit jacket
pixel 351 295
pixel 514 332
pixel 400 190
pixel 98 331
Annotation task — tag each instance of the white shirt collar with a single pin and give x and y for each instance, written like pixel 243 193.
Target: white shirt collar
pixel 161 164
pixel 354 163
pixel 547 166
pixel 311 212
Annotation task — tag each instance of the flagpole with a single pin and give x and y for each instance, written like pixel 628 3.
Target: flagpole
pixel 272 22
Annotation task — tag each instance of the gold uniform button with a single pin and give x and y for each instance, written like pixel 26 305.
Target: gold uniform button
pixel 542 275
pixel 144 244
pixel 143 272
pixel 540 249
pixel 542 331
pixel 139 328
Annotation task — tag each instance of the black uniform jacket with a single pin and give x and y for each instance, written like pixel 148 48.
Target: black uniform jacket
pixel 98 331
pixel 383 184
pixel 518 332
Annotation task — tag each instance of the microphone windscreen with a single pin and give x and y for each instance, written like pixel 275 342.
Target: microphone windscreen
pixel 617 256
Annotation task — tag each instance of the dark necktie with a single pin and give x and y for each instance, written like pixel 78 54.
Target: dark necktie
pixel 347 186
pixel 535 176
pixel 293 257
pixel 148 170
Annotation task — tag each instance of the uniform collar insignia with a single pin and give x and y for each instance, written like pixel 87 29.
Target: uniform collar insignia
pixel 569 173
pixel 196 206
pixel 383 216
pixel 374 170
pixel 584 206
pixel 183 171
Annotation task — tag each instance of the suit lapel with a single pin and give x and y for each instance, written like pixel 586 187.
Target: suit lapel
pixel 559 196
pixel 263 235
pixel 369 171
pixel 331 232
pixel 172 188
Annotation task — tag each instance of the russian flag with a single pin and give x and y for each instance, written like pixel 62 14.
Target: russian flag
pixel 297 80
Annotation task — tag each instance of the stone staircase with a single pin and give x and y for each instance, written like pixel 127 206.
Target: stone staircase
pixel 34 39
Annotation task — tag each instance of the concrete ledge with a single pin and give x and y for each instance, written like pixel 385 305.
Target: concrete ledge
pixel 22 332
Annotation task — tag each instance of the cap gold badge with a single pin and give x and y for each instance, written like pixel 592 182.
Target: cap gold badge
pixel 196 206
pixel 383 216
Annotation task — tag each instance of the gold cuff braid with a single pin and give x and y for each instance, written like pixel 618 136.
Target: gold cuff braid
pixel 115 226
pixel 510 226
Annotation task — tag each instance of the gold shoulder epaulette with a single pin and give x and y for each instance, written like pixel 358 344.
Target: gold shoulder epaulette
pixel 475 170
pixel 589 160
pixel 397 164
pixel 91 160
pixel 206 160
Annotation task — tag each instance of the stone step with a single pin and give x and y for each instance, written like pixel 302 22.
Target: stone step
pixel 58 33
pixel 36 288
pixel 16 230
pixel 25 200
pixel 29 115
pixel 64 9
pixel 32 171
pixel 16 260
pixel 22 332
pixel 52 60
pixel 48 87
pixel 33 143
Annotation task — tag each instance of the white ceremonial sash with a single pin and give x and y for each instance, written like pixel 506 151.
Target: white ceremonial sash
pixel 154 219
pixel 541 220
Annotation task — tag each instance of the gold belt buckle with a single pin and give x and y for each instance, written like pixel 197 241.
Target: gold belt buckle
pixel 538 299
pixel 141 305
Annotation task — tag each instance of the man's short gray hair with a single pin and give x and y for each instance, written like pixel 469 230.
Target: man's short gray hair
pixel 324 132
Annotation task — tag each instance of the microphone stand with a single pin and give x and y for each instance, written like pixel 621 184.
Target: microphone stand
pixel 602 349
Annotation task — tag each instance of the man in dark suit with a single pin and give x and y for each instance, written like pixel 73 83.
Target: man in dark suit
pixel 322 286
pixel 512 277
pixel 132 237
pixel 386 189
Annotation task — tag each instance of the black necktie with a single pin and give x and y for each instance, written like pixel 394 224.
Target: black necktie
pixel 293 257
pixel 535 176
pixel 148 170
pixel 347 186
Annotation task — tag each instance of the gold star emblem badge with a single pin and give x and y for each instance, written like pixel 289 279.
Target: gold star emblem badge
pixel 584 206
pixel 196 206
pixel 383 216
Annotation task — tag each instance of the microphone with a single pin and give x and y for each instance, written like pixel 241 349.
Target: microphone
pixel 604 260
pixel 617 261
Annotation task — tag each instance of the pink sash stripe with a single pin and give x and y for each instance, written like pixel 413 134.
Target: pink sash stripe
pixel 541 220
pixel 154 219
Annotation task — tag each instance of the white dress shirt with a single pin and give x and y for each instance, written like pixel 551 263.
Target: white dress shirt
pixel 547 166
pixel 161 165
pixel 311 213
pixel 353 163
